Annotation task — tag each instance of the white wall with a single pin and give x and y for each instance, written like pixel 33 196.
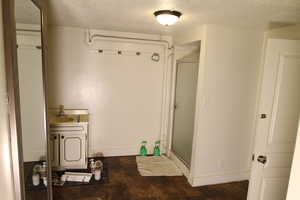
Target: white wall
pixel 189 36
pixel 6 180
pixel 124 93
pixel 228 78
pixel 31 96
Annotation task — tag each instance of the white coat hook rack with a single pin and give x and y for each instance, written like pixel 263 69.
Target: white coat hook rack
pixel 91 37
pixel 153 55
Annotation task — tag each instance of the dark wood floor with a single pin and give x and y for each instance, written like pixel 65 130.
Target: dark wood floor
pixel 125 183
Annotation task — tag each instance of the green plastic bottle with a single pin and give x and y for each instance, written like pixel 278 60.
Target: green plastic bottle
pixel 156 151
pixel 143 149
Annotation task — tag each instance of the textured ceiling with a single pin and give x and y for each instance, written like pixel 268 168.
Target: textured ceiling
pixel 26 12
pixel 137 15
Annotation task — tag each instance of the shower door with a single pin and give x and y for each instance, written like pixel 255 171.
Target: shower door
pixel 185 97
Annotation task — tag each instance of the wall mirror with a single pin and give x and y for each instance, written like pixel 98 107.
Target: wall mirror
pixel 28 18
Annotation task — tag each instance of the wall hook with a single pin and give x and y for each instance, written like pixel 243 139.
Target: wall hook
pixel 155 57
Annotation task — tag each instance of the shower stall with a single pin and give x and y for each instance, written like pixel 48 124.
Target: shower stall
pixel 184 106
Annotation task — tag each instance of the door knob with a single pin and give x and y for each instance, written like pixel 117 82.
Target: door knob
pixel 55 137
pixel 62 137
pixel 262 159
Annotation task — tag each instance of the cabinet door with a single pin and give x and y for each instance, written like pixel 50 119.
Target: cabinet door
pixel 72 150
pixel 54 148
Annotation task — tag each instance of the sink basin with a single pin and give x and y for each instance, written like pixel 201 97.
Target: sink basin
pixel 69 116
pixel 64 119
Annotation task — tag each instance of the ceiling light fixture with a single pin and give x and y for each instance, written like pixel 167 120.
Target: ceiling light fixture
pixel 167 17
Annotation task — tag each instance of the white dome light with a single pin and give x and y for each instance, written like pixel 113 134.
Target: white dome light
pixel 167 17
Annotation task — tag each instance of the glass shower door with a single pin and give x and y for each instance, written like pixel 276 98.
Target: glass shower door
pixel 184 114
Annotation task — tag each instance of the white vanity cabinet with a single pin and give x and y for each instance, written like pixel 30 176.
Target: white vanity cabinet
pixel 69 145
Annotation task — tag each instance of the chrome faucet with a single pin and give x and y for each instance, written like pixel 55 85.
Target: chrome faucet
pixel 61 112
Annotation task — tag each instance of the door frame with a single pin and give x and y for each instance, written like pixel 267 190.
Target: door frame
pixel 173 156
pixel 11 70
pixel 188 165
pixel 12 81
pixel 257 104
pixel 188 172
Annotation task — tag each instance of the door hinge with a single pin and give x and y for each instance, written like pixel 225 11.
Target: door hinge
pixel 253 157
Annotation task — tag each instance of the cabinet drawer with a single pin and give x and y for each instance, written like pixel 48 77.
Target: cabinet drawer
pixel 67 128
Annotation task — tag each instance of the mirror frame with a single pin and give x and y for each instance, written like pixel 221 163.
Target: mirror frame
pixel 12 79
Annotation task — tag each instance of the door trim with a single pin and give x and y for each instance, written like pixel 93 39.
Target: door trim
pixel 43 6
pixel 274 110
pixel 11 67
pixel 200 79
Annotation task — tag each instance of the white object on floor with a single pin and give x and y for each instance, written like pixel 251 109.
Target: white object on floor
pixel 45 181
pixel 76 177
pixel 97 174
pixel 36 179
pixel 157 166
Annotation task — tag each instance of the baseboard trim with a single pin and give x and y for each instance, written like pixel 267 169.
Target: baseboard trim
pixel 220 178
pixel 132 150
pixel 180 164
pixel 116 151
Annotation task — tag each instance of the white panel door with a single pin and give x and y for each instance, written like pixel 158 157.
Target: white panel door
pixel 73 150
pixel 278 121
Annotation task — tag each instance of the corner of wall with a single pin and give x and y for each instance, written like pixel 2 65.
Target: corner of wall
pixel 188 36
pixel 222 41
